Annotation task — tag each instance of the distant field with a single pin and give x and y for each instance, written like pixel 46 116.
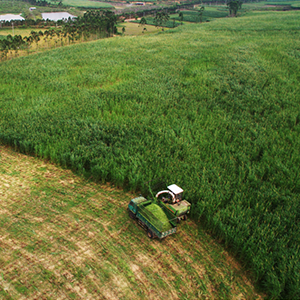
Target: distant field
pixel 18 31
pixel 169 24
pixel 283 3
pixel 134 28
pixel 86 3
pixel 17 7
pixel 269 5
pixel 14 7
pixel 209 13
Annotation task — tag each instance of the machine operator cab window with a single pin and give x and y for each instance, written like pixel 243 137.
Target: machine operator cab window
pixel 173 194
pixel 177 191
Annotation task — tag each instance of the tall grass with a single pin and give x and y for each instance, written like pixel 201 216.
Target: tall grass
pixel 212 107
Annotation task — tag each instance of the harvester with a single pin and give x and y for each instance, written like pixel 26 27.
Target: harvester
pixel 160 215
pixel 171 200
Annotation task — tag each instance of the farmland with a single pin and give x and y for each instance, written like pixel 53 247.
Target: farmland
pixel 209 14
pixel 212 107
pixel 86 4
pixel 62 237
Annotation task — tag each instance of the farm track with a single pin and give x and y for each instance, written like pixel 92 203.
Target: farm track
pixel 62 237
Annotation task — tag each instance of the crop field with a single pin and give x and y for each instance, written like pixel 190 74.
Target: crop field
pixel 135 29
pixel 86 4
pixel 150 21
pixel 270 5
pixel 209 14
pixel 14 7
pixel 62 237
pixel 212 107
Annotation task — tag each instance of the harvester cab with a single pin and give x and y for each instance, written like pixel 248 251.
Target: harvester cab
pixel 172 195
pixel 171 199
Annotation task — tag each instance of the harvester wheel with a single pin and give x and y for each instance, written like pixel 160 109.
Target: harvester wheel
pixel 150 234
pixel 132 215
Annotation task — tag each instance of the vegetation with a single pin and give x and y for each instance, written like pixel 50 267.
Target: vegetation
pixel 19 6
pixel 234 6
pixel 208 14
pixel 101 24
pixel 159 22
pixel 86 4
pixel 66 238
pixel 212 107
pixel 161 18
pixel 134 29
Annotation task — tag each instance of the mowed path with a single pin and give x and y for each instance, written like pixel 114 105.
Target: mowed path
pixel 63 237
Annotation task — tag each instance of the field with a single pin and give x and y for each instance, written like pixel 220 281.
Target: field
pixel 86 4
pixel 63 237
pixel 17 7
pixel 212 107
pixel 135 29
pixel 14 7
pixel 44 44
pixel 150 20
pixel 209 14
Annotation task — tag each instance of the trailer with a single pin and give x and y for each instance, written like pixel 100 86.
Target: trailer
pixel 159 224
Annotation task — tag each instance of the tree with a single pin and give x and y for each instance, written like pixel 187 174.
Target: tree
pixel 173 19
pixel 200 14
pixel 143 21
pixel 161 18
pixel 180 16
pixel 234 6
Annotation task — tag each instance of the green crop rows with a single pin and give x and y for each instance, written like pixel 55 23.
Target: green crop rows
pixel 212 107
pixel 209 13
pixel 86 4
pixel 171 23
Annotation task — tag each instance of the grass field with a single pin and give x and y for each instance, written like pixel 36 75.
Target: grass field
pixel 212 107
pixel 86 4
pixel 134 28
pixel 210 13
pixel 63 237
pixel 169 24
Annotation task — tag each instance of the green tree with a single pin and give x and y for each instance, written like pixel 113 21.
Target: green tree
pixel 161 18
pixel 143 21
pixel 173 19
pixel 180 16
pixel 200 13
pixel 234 6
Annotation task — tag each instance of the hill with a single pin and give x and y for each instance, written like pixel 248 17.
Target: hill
pixel 211 107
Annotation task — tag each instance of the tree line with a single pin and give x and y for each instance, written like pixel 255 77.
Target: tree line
pixel 92 25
